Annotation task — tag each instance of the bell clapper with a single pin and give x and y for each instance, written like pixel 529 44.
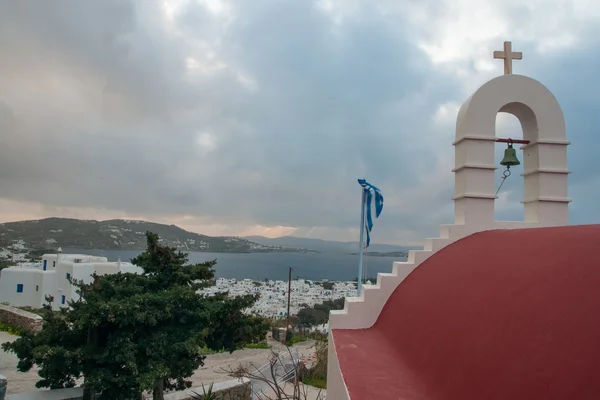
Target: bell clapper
pixel 505 175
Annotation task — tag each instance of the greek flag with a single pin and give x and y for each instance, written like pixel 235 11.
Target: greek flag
pixel 369 190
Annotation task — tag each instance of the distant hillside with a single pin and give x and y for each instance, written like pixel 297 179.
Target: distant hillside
pixel 327 245
pixel 119 234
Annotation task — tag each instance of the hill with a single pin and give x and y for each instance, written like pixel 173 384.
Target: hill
pixel 328 245
pixel 50 233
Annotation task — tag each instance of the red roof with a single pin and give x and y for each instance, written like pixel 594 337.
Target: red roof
pixel 503 314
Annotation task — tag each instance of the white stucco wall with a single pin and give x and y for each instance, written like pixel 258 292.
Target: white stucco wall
pixel 83 271
pixel 48 288
pixel 53 281
pixel 336 385
pixel 14 276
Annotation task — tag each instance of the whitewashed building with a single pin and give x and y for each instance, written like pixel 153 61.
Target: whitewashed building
pixel 273 295
pixel 29 284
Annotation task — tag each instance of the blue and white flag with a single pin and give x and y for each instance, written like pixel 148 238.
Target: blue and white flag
pixel 378 204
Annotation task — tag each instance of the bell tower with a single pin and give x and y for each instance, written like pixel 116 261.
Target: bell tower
pixel 544 153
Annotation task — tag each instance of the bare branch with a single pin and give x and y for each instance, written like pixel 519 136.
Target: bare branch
pixel 276 382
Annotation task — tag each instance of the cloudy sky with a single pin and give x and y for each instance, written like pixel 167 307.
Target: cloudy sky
pixel 238 117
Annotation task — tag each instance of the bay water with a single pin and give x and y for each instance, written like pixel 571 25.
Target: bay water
pixel 332 266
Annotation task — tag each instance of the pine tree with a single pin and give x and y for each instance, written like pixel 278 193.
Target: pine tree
pixel 131 333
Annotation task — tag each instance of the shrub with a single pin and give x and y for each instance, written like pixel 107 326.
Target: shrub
pixel 320 383
pixel 207 395
pixel 11 330
pixel 206 351
pixel 289 337
pixel 257 346
pixel 298 339
pixel 319 370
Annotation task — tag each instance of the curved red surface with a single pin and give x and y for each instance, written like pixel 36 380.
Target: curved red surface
pixel 504 314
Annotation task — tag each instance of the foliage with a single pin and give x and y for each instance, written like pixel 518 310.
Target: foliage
pixel 5 264
pixel 9 329
pixel 319 369
pixel 256 327
pixel 320 383
pixel 131 333
pixel 206 395
pixel 316 335
pixel 298 339
pixel 319 313
pixel 206 351
pixel 258 346
pixel 289 337
pixel 317 375
pixel 325 284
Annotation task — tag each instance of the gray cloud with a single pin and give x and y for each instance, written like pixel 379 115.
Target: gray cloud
pixel 263 116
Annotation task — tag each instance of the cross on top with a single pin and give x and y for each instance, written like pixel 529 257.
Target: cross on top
pixel 508 55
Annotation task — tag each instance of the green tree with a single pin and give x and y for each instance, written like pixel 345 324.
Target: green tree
pixel 307 317
pixel 319 313
pixel 131 333
pixel 5 264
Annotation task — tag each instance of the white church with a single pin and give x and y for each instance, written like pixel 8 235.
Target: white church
pixel 490 310
pixel 28 285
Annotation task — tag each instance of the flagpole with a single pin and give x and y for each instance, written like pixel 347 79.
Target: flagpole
pixel 362 240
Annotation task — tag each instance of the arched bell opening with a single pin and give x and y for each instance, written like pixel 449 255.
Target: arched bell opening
pixel 507 206
pixel 518 122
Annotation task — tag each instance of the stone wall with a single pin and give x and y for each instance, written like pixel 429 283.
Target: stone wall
pixel 230 390
pixel 58 394
pixel 20 319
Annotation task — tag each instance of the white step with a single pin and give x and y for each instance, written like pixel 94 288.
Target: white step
pixel 418 256
pixel 436 244
pixel 362 312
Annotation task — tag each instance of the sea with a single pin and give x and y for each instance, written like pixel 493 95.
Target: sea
pixel 275 266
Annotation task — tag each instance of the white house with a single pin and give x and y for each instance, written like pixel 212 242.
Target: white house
pixel 20 245
pixel 18 257
pixel 28 285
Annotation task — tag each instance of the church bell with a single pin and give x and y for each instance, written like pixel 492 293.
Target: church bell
pixel 510 157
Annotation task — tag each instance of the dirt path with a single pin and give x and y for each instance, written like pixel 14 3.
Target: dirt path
pixel 213 370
